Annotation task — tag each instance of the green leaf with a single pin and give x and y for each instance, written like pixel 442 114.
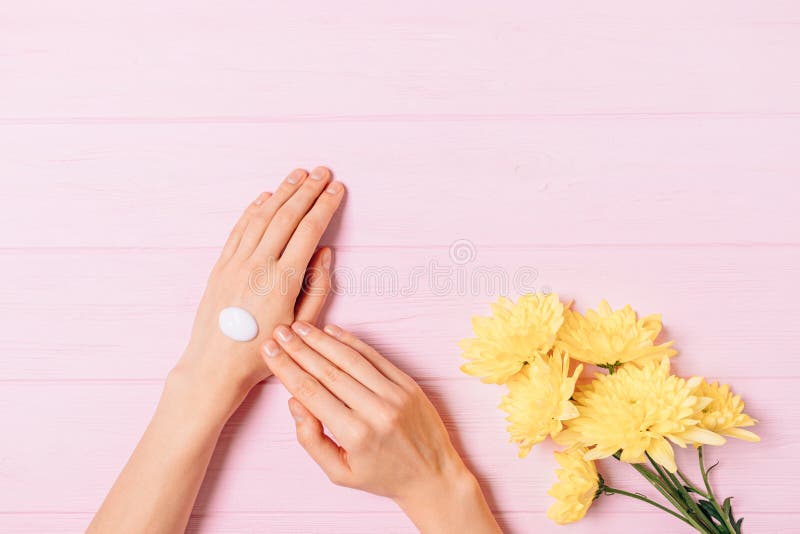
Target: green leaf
pixel 712 467
pixel 709 510
pixel 738 525
pixel 611 367
pixel 727 506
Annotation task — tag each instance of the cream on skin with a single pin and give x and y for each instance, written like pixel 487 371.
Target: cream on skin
pixel 231 349
pixel 238 324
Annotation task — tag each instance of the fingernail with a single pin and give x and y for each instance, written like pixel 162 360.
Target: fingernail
pixel 333 330
pixel 301 328
pixel 326 259
pixel 295 176
pixel 319 173
pixel 334 188
pixel 283 333
pixel 271 348
pixel 261 198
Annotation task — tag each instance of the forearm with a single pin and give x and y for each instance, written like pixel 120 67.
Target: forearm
pixel 454 505
pixel 157 488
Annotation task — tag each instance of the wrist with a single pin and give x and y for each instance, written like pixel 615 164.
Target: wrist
pixel 211 397
pixel 436 505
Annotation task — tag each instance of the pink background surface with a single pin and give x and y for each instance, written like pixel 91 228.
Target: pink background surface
pixel 644 154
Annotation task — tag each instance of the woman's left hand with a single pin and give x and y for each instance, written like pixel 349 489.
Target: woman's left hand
pixel 390 439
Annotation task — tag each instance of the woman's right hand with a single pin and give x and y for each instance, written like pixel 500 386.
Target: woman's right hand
pixel 269 253
pixel 390 439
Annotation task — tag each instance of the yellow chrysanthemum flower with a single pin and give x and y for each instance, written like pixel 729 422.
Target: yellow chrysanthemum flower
pixel 577 486
pixel 538 400
pixel 636 410
pixel 512 336
pixel 609 338
pixel 725 414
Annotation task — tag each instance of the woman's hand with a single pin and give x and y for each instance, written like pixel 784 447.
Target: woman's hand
pixel 262 269
pixel 389 438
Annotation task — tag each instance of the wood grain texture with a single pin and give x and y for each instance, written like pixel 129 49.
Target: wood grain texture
pixel 646 154
pixel 676 180
pixel 391 523
pixel 413 303
pixel 248 473
pixel 152 59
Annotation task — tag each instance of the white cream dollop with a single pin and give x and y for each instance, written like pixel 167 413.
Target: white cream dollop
pixel 238 324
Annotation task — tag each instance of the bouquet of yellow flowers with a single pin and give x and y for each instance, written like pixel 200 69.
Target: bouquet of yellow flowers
pixel 633 412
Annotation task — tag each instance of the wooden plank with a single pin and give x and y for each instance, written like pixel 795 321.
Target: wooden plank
pixel 391 523
pixel 317 58
pixel 554 181
pixel 93 314
pixel 62 433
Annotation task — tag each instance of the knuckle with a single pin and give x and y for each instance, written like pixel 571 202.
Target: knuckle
pixel 390 419
pixel 352 361
pixel 280 366
pixel 303 436
pixel 283 218
pixel 285 189
pixel 306 388
pixel 330 374
pixel 310 226
pixel 256 210
pixel 297 348
pixel 399 398
pixel 412 389
pixel 408 385
pixel 242 223
pixel 347 337
pixel 255 266
pixel 361 435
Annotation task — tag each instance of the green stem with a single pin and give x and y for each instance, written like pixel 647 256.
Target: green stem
pixel 725 517
pixel 681 495
pixel 609 490
pixel 665 489
pixel 660 485
pixel 693 506
pixel 663 476
pixel 691 485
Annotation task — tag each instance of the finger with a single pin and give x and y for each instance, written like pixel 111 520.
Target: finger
pixel 260 215
pixel 387 368
pixel 316 287
pixel 345 358
pixel 236 234
pixel 322 449
pixel 286 219
pixel 310 229
pixel 307 389
pixel 341 384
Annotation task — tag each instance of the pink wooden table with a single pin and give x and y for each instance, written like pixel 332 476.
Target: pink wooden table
pixel 645 154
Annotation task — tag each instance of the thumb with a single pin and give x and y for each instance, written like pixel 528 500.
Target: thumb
pixel 316 287
pixel 322 449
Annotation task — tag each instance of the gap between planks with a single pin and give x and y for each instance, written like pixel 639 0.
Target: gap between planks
pixel 390 117
pixel 520 246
